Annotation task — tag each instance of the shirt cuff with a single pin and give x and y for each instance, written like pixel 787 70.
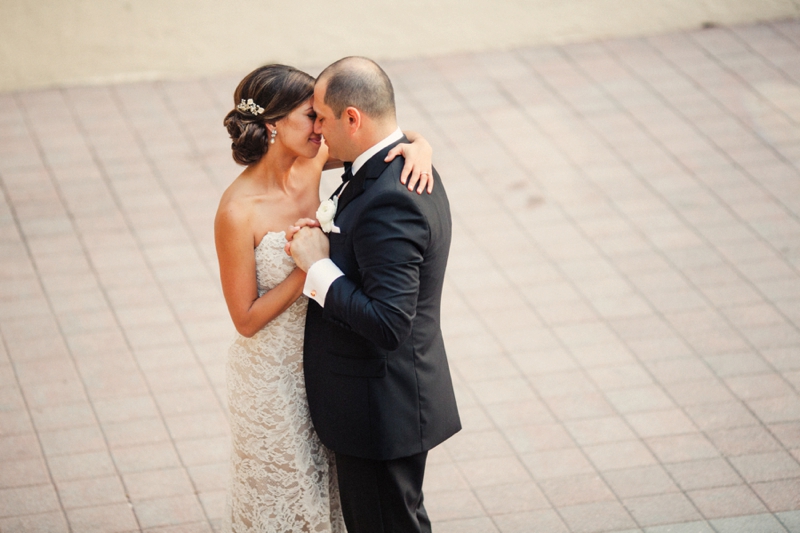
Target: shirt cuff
pixel 319 279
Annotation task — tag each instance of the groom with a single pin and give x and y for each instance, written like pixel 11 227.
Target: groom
pixel 377 378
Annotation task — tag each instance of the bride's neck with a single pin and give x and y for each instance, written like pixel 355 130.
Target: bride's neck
pixel 275 168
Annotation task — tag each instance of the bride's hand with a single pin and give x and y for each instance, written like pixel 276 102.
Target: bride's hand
pixel 418 168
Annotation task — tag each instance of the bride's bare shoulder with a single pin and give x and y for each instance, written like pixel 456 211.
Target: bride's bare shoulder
pixel 236 202
pixel 235 191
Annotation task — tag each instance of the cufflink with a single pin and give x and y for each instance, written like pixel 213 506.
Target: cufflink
pixel 313 294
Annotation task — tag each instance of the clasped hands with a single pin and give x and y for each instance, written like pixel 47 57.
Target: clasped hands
pixel 307 244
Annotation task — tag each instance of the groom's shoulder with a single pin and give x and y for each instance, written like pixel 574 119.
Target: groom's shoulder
pixel 388 183
pixel 388 180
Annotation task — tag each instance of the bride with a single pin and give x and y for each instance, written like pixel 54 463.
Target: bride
pixel 282 477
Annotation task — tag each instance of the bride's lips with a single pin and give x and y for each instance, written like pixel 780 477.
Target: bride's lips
pixel 316 140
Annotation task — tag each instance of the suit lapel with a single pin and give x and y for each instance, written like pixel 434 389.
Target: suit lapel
pixel 371 170
pixel 354 187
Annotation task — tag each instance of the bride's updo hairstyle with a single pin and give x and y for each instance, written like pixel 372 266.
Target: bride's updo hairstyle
pixel 266 95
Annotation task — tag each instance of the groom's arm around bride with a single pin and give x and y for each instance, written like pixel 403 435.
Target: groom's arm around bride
pixel 377 377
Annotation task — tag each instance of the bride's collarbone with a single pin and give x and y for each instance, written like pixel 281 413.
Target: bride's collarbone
pixel 267 214
pixel 272 222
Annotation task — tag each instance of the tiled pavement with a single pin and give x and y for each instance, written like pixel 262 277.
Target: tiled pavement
pixel 622 305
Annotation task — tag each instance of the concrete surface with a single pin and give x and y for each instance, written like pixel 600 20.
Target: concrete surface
pixel 57 42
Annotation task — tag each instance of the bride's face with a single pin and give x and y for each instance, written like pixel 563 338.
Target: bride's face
pixel 296 131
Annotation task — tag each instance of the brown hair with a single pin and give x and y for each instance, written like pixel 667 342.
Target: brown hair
pixel 278 89
pixel 358 82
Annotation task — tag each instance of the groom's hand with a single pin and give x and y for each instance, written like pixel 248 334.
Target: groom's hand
pixel 302 223
pixel 308 245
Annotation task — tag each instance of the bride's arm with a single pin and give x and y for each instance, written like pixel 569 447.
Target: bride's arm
pixel 418 167
pixel 237 268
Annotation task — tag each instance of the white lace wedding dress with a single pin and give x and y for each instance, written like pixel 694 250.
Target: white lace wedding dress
pixel 282 478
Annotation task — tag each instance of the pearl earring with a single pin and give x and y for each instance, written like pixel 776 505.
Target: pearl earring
pixel 272 137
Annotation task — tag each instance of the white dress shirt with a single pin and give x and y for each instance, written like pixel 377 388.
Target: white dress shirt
pixel 324 272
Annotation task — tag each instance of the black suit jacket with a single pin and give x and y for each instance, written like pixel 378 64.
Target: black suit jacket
pixel 376 372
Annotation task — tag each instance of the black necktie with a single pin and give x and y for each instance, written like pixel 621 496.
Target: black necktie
pixel 348 172
pixel 347 176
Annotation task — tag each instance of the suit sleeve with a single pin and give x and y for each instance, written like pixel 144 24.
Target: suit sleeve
pixel 389 241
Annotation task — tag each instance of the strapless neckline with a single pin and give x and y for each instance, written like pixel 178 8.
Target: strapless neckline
pixel 271 235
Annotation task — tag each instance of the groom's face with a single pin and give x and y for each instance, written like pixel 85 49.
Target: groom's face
pixel 333 129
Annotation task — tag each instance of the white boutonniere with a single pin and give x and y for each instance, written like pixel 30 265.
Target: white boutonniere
pixel 325 214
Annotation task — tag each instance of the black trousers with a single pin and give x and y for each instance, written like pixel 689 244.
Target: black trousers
pixel 383 496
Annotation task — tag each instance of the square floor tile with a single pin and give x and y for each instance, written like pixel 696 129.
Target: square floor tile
pixel 28 500
pixel 103 519
pixel 680 448
pixel 476 445
pixel 725 502
pixel 744 440
pixel 790 519
pixel 642 481
pixel 619 455
pixel 703 474
pixel 439 476
pixel 576 490
pixel 494 471
pixel 513 414
pixel 169 511
pixel 152 484
pixel 53 522
pixel 661 423
pixel 661 509
pixel 90 492
pixel 685 527
pixel 452 505
pixel 511 498
pixel 530 439
pixel 579 406
pixel 467 525
pixel 597 517
pixel 539 521
pixel 715 416
pixel 72 441
pixel 766 466
pixel 599 430
pixel 557 463
pixel 783 495
pixel 763 523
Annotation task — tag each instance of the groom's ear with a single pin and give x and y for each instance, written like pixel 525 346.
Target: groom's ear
pixel 353 116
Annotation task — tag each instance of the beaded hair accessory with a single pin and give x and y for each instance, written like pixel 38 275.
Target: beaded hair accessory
pixel 250 106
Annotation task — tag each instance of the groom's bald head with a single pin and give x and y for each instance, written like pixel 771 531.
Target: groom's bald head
pixel 358 82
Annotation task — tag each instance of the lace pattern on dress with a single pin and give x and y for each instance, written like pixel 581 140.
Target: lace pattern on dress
pixel 282 478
